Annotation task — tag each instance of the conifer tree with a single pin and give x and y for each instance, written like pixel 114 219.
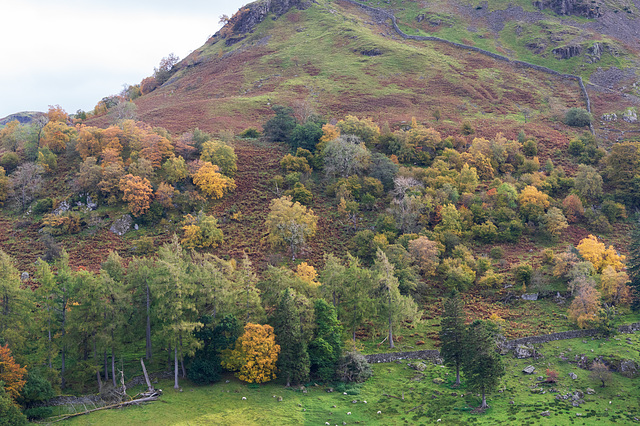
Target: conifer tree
pixel 633 266
pixel 452 333
pixel 393 305
pixel 325 349
pixel 293 361
pixel 482 366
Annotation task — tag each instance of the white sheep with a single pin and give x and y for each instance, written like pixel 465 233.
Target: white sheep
pixel 349 413
pixel 244 398
pixel 379 412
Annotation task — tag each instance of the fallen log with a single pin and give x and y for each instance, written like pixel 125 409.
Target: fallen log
pixel 154 397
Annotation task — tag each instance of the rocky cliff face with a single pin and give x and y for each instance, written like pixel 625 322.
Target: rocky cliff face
pixel 252 14
pixel 586 8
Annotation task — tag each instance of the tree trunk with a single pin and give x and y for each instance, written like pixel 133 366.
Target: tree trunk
pixel 49 349
pixel 169 357
pixel 175 364
pixel 106 366
pixel 184 373
pixel 484 400
pixel 148 331
pixel 391 345
pixel 95 357
pixel 63 353
pixel 113 362
pixel 457 374
pixel 146 376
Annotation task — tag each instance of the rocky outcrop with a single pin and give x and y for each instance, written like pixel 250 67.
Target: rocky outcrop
pixel 22 117
pixel 585 8
pixel 566 52
pixel 246 19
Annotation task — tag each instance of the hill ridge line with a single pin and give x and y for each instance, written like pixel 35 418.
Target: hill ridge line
pixel 541 68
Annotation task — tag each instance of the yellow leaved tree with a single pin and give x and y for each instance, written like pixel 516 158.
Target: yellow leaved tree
pixel 255 354
pixel 211 182
pixel 595 252
pixel 290 224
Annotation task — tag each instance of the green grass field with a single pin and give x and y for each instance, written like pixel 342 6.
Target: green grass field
pixel 406 396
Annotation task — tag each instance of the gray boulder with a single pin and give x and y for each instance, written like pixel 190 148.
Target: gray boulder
pixel 121 225
pixel 522 351
pixel 529 369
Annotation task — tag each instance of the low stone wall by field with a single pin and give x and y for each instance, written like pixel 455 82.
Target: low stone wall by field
pixel 510 344
pixel 395 356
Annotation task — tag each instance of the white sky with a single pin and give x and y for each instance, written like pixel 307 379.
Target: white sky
pixel 75 52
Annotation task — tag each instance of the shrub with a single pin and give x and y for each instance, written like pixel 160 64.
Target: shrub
pixel 496 253
pixel 577 117
pixel 250 133
pixel 354 368
pixel 204 371
pixel 300 194
pixel 523 273
pixel 43 206
pixel 9 161
pixel 530 148
pixel 38 413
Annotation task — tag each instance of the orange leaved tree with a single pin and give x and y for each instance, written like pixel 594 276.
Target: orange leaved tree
pixel 137 192
pixel 255 354
pixel 13 376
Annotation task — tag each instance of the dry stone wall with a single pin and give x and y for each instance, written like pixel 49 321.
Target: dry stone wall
pixel 384 13
pixel 510 344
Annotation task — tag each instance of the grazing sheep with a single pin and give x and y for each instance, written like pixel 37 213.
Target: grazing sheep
pixel 244 398
pixel 379 412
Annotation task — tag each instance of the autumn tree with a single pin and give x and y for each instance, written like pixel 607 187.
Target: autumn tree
pixel 600 372
pixel 165 194
pixel 201 231
pixel 175 169
pixel 56 135
pixel 588 183
pixel 11 373
pixel 255 354
pixel 585 306
pixel 4 186
pixel 26 182
pixel 222 155
pixel 595 252
pixel 573 208
pixel 425 253
pixel 156 148
pixel 9 136
pixel 614 288
pixel 345 156
pixel 290 224
pixel 533 203
pixel 555 222
pixel 165 69
pixel 211 182
pixel 364 128
pixel 137 192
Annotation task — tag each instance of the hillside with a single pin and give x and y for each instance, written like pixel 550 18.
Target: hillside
pixel 323 179
pixel 339 59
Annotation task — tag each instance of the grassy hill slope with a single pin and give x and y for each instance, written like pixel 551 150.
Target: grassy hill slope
pixel 340 60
